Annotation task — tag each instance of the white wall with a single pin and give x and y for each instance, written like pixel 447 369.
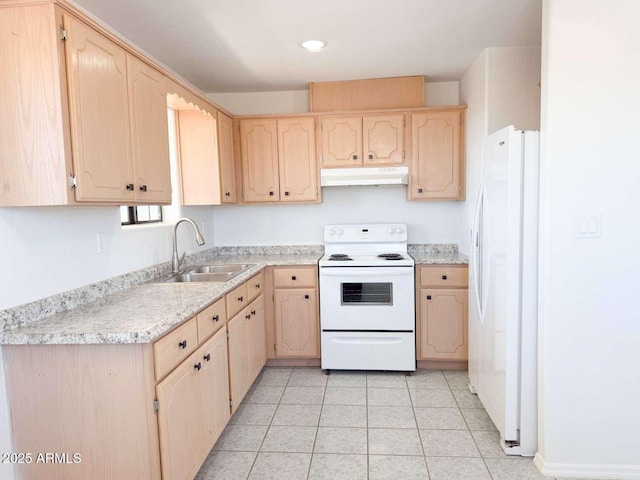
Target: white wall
pixel 589 371
pixel 429 222
pixel 297 101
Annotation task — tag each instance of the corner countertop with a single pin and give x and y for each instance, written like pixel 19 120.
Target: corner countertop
pixel 143 312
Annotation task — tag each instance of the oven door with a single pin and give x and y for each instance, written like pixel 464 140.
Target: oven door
pixel 367 298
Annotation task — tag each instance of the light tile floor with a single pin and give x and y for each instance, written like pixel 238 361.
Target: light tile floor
pixel 298 423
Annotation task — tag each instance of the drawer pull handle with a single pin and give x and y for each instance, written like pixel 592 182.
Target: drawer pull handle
pixel 293 277
pixel 370 157
pixel 428 297
pixel 130 186
pixel 216 318
pixel 183 344
pixel 253 312
pixel 419 190
pixel 198 366
pixel 306 297
pixel 241 299
pixel 271 194
pixel 286 194
pixel 355 157
pixel 248 316
pixel 143 188
pixel 257 285
pixel 227 194
pixel 444 277
pixel 207 357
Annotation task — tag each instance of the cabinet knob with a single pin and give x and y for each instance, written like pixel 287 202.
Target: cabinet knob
pixel 293 277
pixel 253 312
pixel 143 188
pixel 207 357
pixel 241 299
pixel 198 366
pixel 216 318
pixel 306 297
pixel 444 277
pixel 130 186
pixel 428 297
pixel 257 285
pixel 355 157
pixel 286 194
pixel 271 194
pixel 370 157
pixel 227 194
pixel 419 190
pixel 183 344
pixel 248 316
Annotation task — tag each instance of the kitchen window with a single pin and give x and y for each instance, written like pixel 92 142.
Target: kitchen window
pixel 140 214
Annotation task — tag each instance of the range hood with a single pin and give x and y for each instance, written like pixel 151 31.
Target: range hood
pixel 338 177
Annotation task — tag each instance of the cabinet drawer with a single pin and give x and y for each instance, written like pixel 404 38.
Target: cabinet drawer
pixel 211 319
pixel 174 347
pixel 255 285
pixel 236 299
pixel 294 277
pixel 444 276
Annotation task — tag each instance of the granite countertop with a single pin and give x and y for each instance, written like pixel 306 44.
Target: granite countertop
pixel 125 310
pixel 423 258
pixel 144 312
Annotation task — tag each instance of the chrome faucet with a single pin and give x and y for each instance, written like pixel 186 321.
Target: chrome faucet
pixel 177 261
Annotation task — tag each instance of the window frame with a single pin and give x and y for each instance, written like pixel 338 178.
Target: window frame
pixel 132 214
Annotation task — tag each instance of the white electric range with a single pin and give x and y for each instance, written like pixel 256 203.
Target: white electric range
pixel 367 297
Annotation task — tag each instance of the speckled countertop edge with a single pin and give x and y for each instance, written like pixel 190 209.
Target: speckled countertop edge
pixel 158 307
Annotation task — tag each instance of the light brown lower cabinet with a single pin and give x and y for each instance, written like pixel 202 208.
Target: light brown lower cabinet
pixel 193 409
pixel 246 349
pixel 296 328
pixel 442 307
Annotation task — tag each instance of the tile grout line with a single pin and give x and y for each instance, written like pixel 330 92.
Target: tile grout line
pixel 415 419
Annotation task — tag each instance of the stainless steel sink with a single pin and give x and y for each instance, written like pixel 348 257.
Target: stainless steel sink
pixel 222 268
pixel 216 273
pixel 200 277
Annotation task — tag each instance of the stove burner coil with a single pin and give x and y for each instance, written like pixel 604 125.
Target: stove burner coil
pixel 391 256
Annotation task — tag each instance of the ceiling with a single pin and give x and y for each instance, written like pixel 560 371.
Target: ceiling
pixel 253 45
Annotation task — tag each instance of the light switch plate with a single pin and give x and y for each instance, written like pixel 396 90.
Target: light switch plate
pixel 590 227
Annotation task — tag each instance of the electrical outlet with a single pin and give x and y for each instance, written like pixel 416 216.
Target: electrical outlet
pixel 588 227
pixel 102 243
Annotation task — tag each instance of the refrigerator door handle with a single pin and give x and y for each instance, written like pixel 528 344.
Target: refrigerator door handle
pixel 474 252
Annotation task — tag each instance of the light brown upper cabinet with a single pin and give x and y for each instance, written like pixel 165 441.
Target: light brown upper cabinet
pixel 259 147
pixel 363 140
pixel 227 159
pixel 93 132
pixel 199 164
pixel 298 171
pixel 149 132
pixel 437 158
pixel 278 160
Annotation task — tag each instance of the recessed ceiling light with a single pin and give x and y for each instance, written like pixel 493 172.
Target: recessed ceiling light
pixel 313 45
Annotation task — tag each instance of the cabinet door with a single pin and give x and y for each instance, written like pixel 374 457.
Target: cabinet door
pixel 149 132
pixel 296 322
pixel 199 171
pixel 99 111
pixel 383 139
pixel 180 420
pixel 259 146
pixel 443 324
pixel 436 160
pixel 341 141
pixel 227 159
pixel 239 357
pixel 215 388
pixel 297 159
pixel 257 345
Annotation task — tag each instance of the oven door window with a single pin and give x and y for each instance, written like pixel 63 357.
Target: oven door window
pixel 366 293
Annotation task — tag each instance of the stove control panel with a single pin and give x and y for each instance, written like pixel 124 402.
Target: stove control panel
pixel 365 233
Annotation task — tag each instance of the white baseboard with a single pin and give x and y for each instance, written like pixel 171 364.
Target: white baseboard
pixel 587 470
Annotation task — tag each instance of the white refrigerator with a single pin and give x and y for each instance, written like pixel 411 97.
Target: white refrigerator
pixel 503 287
